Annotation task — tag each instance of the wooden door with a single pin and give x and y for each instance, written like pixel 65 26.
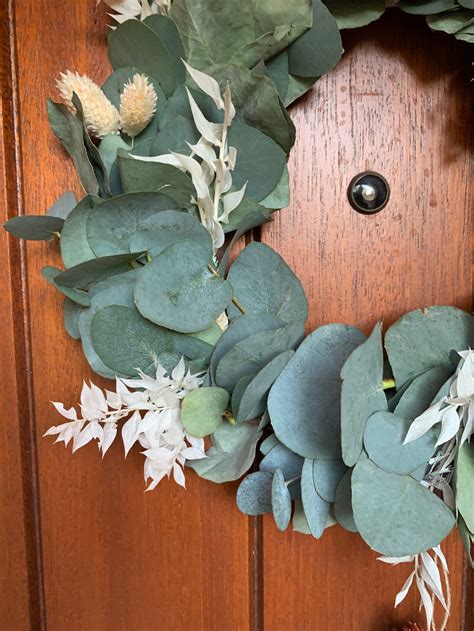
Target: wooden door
pixel 82 547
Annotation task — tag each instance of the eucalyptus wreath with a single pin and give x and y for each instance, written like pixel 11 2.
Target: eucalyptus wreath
pixel 181 152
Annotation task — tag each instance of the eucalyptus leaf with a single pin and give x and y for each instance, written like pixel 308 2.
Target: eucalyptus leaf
pixel 253 353
pixel 280 196
pixel 75 295
pixel 176 136
pixel 281 501
pixel 254 398
pixel 69 130
pixel 464 484
pixel 240 329
pixel 202 410
pixel 267 445
pixel 452 22
pixel 467 539
pixel 166 30
pixel 260 160
pixel 231 455
pixel 343 510
pixel 134 44
pixel 278 70
pixel 176 289
pixel 362 393
pixel 266 284
pixel 111 226
pixel 326 476
pixel 75 248
pixel 420 393
pixel 257 103
pixel 426 7
pixel 72 312
pixel 308 392
pixel 423 339
pixel 248 214
pixel 238 392
pixel 138 176
pixel 254 495
pixel 35 227
pixel 300 523
pixel 125 341
pixel 117 290
pixel 108 149
pixel 63 206
pixel 355 13
pixel 297 86
pixel 85 274
pixel 318 50
pixel 383 440
pixel 315 507
pixel 280 457
pixel 160 231
pixel 395 514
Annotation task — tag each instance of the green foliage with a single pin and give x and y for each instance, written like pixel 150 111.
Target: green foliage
pixel 35 227
pixel 177 290
pixel 268 284
pixel 464 484
pixel 395 514
pixel 281 501
pixel 202 410
pixel 308 391
pixel 361 394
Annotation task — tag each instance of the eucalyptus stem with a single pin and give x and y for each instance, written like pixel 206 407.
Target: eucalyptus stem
pixel 234 299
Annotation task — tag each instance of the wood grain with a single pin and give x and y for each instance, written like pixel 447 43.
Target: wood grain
pixel 114 557
pixel 393 107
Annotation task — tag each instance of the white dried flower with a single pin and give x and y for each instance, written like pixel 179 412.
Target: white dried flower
pixel 427 578
pixel 137 104
pixel 151 407
pixel 100 116
pixel 211 162
pixel 136 9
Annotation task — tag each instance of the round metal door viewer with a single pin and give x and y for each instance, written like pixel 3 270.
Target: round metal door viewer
pixel 368 192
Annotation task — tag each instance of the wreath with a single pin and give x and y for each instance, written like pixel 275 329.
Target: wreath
pixel 181 152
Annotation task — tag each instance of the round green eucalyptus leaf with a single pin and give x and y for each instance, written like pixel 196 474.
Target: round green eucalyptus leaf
pixel 125 341
pixel 231 455
pixel 423 339
pixel 176 290
pixel 254 353
pixel 426 7
pixel 383 440
pixel 362 393
pixel 239 329
pixel 76 295
pixel 304 402
pixel 133 44
pixel 75 247
pixel 343 511
pixel 421 391
pixel 176 136
pixel 395 514
pixel 260 162
pixel 315 507
pixel 319 49
pixel 281 501
pixel 355 13
pixel 254 398
pixel 117 290
pixel 264 283
pixel 280 457
pixel 254 495
pixel 111 225
pixel 202 410
pixel 72 312
pixel 160 231
pixel 326 476
pixel 452 22
pixel 238 392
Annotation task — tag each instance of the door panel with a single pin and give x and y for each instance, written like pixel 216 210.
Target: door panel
pixel 87 549
pixel 391 107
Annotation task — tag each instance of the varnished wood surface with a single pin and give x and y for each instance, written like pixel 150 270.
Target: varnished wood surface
pixel 91 546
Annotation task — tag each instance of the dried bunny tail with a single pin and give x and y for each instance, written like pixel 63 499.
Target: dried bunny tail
pixel 100 116
pixel 137 104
